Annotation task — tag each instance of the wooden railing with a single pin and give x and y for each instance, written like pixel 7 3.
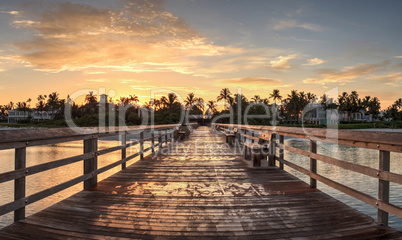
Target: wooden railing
pixel 20 140
pixel 381 141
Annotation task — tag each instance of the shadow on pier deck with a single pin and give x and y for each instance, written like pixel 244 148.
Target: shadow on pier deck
pixel 199 188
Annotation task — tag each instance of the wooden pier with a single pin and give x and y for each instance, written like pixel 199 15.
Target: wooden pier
pixel 199 188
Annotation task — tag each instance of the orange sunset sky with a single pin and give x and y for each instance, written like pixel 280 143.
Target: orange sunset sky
pixel 186 46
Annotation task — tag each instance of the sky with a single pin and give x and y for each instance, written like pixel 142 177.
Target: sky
pixel 150 47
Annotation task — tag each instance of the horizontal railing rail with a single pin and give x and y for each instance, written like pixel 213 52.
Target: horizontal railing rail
pixel 20 140
pixel 384 142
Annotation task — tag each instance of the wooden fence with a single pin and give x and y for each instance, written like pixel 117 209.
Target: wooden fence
pixel 384 142
pixel 20 140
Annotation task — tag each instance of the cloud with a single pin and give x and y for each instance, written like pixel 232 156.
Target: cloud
pixel 314 61
pixel 347 74
pixel 97 80
pixel 252 82
pixel 11 12
pixel 389 78
pixel 281 62
pixel 142 36
pixel 290 23
pixel 398 56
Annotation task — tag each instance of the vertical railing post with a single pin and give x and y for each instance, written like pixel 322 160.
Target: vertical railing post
pixel 19 183
pixel 142 145
pixel 383 186
pixel 313 163
pixel 272 151
pixel 123 139
pixel 160 140
pixel 153 141
pixel 281 151
pixel 91 164
pixel 166 138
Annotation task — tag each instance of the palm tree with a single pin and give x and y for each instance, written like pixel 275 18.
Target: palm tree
pixel 211 106
pixel 171 100
pixel 41 105
pixel 275 95
pixel 256 98
pixel 293 105
pixel 190 100
pixel 134 99
pixel 10 106
pixel 29 100
pixel 163 101
pixel 157 104
pixel 91 98
pixel 53 102
pixel 225 95
pixel 344 103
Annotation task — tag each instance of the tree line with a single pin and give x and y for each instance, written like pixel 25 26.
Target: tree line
pixel 167 109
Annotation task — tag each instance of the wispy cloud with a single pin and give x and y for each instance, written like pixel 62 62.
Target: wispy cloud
pixel 11 12
pixel 314 61
pixel 389 78
pixel 281 62
pixel 291 23
pixel 398 56
pixel 101 80
pixel 347 74
pixel 252 82
pixel 78 36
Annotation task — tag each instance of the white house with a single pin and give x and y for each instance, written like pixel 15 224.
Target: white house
pixel 359 116
pixel 316 114
pixel 16 115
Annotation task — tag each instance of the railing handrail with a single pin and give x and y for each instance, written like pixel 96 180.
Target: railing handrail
pixel 350 138
pixel 390 141
pixel 18 138
pixel 24 139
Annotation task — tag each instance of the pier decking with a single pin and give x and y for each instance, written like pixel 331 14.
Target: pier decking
pixel 199 188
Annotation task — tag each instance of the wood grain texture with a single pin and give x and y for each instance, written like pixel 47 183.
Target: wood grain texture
pixel 195 189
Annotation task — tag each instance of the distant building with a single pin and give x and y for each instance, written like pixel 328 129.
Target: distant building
pixel 318 115
pixel 359 116
pixel 15 115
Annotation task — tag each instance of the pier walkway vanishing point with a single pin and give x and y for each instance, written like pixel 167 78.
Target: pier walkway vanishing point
pixel 199 188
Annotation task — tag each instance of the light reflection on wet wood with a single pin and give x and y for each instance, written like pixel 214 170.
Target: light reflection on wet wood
pixel 206 193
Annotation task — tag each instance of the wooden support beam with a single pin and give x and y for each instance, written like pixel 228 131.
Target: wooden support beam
pixel 383 186
pixel 123 138
pixel 19 183
pixel 313 163
pixel 153 142
pixel 281 151
pixel 142 145
pixel 91 164
pixel 272 151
